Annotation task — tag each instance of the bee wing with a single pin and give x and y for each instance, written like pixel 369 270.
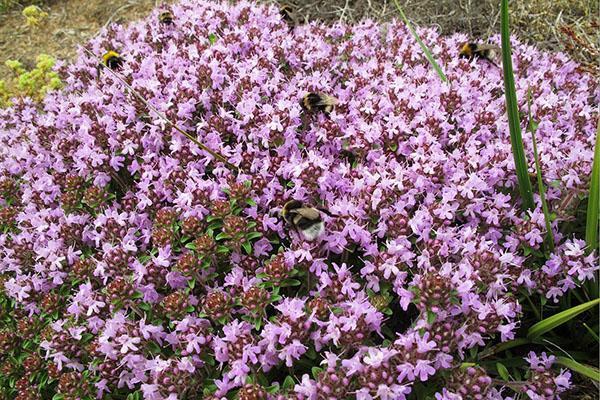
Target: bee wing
pixel 484 47
pixel 306 212
pixel 326 211
pixel 298 219
pixel 326 100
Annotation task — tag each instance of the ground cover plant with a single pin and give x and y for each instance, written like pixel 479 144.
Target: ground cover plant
pixel 136 265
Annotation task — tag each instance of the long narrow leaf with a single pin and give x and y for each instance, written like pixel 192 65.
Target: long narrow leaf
pixel 424 47
pixel 516 139
pixel 552 322
pixel 591 332
pixel 503 346
pixel 591 225
pixel 532 127
pixel 585 370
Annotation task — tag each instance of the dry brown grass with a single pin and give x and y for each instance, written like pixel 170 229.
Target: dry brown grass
pixel 559 25
pixel 70 22
pixel 567 25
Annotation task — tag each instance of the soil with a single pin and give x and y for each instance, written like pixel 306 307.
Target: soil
pixel 69 23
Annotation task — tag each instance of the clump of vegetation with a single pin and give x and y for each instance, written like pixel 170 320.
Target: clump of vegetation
pixel 34 15
pixel 6 5
pixel 183 225
pixel 34 83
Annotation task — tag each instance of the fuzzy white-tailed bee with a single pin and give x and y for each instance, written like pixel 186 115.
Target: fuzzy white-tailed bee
pixel 486 52
pixel 165 17
pixel 312 102
pixel 304 219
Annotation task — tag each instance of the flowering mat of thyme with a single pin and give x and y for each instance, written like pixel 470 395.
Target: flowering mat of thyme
pixel 137 264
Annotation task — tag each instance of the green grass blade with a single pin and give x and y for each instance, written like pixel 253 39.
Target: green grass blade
pixel 552 322
pixel 591 225
pixel 585 370
pixel 516 139
pixel 591 332
pixel 424 47
pixel 532 127
pixel 499 348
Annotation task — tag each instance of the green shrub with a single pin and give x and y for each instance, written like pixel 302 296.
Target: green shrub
pixel 35 83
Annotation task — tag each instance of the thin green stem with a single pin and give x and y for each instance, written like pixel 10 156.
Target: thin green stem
pixel 591 332
pixel 424 47
pixel 213 153
pixel 532 127
pixel 537 313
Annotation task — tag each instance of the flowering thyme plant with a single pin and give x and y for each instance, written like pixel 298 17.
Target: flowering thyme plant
pixel 135 265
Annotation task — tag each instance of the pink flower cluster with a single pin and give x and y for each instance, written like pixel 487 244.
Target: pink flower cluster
pixel 152 266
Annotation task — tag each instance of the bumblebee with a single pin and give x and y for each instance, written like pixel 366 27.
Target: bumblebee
pixel 484 51
pixel 165 17
pixel 304 219
pixel 318 102
pixel 110 59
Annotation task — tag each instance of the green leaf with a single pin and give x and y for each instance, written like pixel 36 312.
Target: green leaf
pixel 258 324
pixel 290 282
pixel 424 47
pixel 288 383
pixel 273 388
pixel 316 371
pixel 86 338
pixel 516 139
pixel 222 236
pixel 431 317
pixel 591 225
pixel 134 396
pixel 552 322
pixel 532 127
pixel 138 295
pixel 582 369
pixel 253 235
pixel 503 372
pixel 214 226
pixel 212 38
pixel 275 298
pixel 250 202
pixel 247 247
pixel 153 348
pixel 222 249
pixel 208 359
